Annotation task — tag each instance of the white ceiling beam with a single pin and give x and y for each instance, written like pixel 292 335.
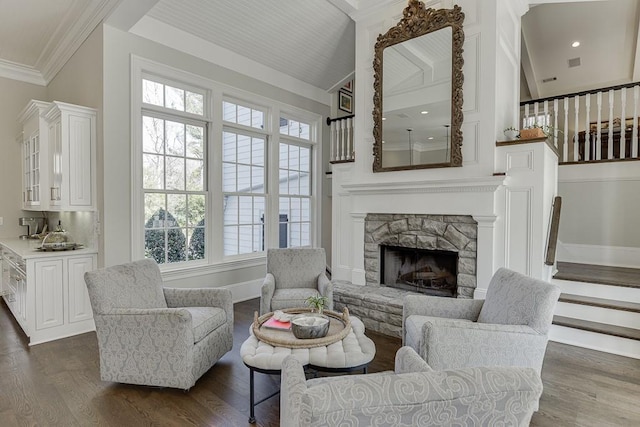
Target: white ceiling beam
pixel 129 12
pixel 527 67
pixel 537 2
pixel 635 73
pixel 346 6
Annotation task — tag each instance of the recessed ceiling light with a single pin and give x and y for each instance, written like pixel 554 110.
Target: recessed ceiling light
pixel 575 44
pixel 424 112
pixel 384 118
pixel 383 142
pixel 430 137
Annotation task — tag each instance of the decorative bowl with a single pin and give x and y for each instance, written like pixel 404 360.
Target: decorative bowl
pixel 306 326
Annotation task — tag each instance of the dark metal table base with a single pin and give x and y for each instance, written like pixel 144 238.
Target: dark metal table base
pixel 253 403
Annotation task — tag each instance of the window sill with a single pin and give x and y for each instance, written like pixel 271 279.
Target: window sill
pixel 185 271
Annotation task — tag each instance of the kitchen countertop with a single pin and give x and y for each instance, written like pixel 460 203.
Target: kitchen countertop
pixel 26 249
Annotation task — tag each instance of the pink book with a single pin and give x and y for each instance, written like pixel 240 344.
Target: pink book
pixel 276 324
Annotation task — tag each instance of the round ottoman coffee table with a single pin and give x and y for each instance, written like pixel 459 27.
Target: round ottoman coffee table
pixel 352 353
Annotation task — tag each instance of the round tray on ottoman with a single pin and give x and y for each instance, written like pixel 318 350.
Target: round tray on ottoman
pixel 339 327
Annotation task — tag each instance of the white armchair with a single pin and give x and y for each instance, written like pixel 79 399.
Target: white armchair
pixel 509 328
pixel 293 275
pixel 157 336
pixel 413 395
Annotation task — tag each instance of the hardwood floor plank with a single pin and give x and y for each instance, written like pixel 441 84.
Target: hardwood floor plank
pixel 58 383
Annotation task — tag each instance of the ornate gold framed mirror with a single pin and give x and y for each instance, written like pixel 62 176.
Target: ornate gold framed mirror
pixel 417 113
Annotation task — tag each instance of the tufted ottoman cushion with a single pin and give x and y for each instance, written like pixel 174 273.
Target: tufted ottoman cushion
pixel 355 349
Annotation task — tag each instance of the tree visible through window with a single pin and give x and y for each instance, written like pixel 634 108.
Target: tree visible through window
pixel 250 151
pixel 173 175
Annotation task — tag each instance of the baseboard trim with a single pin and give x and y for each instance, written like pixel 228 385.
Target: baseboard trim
pixel 244 291
pixel 614 256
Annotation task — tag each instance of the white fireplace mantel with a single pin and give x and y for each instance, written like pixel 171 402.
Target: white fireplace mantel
pixel 487 184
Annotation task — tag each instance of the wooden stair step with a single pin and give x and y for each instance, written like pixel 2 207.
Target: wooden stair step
pixel 601 328
pixel 600 302
pixel 601 274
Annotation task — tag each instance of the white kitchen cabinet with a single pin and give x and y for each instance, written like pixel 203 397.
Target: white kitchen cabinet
pixel 49 290
pixel 46 292
pixel 72 157
pixel 35 154
pixel 79 307
pixel 15 285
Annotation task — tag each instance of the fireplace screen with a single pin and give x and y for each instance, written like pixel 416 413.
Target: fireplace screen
pixel 430 272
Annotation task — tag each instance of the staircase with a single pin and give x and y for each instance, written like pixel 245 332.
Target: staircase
pixel 599 308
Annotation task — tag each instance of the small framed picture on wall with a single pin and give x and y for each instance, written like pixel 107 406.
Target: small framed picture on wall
pixel 347 86
pixel 345 102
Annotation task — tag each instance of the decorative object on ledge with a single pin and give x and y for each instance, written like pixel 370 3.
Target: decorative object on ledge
pixel 531 133
pixel 511 133
pixel 436 127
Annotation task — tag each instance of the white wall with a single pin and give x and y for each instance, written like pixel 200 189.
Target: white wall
pixel 600 206
pixel 80 82
pixel 15 96
pixel 118 48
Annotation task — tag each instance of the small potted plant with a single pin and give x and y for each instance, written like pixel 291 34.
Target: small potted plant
pixel 511 133
pixel 317 303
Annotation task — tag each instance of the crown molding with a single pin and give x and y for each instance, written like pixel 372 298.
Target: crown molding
pixel 58 52
pixel 23 73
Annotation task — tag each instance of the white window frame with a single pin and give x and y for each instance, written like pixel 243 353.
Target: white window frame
pixel 215 93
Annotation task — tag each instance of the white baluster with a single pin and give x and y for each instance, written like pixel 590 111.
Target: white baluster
pixel 587 134
pixel 342 141
pixel 597 152
pixel 535 113
pixel 634 134
pixel 610 135
pixel 565 146
pixel 332 146
pixel 623 128
pixel 576 148
pixel 555 122
pixel 526 115
pixel 350 138
pixel 545 108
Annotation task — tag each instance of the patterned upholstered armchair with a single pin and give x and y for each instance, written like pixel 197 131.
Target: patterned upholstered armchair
pixel 414 394
pixel 157 336
pixel 509 328
pixel 293 275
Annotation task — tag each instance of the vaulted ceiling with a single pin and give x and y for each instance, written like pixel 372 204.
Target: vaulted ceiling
pixel 313 41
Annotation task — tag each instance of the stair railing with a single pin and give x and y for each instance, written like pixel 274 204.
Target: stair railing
pixel 341 148
pixel 590 126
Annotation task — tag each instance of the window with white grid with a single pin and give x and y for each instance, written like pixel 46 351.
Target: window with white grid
pixel 173 173
pixel 295 222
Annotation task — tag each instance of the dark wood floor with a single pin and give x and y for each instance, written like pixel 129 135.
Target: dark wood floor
pixel 58 384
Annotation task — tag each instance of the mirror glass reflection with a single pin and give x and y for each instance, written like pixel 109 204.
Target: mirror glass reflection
pixel 416 101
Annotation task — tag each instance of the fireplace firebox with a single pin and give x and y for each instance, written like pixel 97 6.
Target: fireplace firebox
pixel 431 272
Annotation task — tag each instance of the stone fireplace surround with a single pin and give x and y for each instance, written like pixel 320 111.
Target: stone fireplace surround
pixel 456 233
pixel 380 307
